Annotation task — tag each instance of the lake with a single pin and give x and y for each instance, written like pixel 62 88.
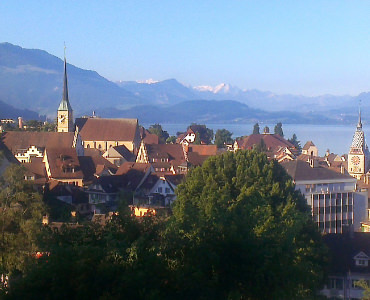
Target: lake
pixel 337 138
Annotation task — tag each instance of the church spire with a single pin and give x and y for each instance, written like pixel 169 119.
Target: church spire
pixel 359 125
pixel 64 104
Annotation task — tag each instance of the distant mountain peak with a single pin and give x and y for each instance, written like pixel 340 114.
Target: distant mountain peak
pixel 148 81
pixel 222 88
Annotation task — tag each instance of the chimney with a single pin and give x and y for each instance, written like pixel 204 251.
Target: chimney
pixel 341 169
pixel 20 122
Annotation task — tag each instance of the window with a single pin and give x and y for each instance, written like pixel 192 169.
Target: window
pixel 335 283
pixel 167 190
pixel 160 190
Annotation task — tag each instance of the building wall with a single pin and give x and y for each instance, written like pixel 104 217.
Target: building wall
pixel 335 205
pixel 343 286
pixel 105 145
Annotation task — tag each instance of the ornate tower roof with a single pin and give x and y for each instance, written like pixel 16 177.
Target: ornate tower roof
pixel 64 104
pixel 358 142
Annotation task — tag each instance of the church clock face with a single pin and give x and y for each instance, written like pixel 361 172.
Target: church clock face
pixel 355 160
pixel 62 119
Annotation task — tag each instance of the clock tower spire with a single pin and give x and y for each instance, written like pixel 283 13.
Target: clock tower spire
pixel 358 156
pixel 65 112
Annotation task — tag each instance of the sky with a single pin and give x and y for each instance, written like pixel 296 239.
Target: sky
pixel 297 47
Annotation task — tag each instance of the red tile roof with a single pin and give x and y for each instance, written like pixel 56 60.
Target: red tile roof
pixel 97 129
pixel 62 161
pixel 272 141
pixel 15 140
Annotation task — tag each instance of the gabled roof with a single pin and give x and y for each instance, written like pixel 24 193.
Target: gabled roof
pixel 63 159
pixel 308 145
pixel 172 151
pixel 147 137
pixel 16 140
pixel 129 166
pixel 94 164
pixel 300 170
pixel 97 129
pixel 121 152
pixel 208 150
pixel 272 141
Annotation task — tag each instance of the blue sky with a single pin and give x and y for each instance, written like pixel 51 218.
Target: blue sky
pixel 299 47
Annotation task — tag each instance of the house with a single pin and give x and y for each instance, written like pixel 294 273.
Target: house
pixel 25 145
pixel 272 144
pixel 147 137
pixel 349 255
pixel 118 155
pixel 174 158
pixel 103 193
pixel 310 149
pixel 157 190
pixel 62 164
pixel 103 134
pixel 333 197
pixel 189 137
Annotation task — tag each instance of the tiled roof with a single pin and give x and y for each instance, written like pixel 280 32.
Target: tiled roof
pixel 308 145
pixel 127 166
pixel 149 138
pixel 16 140
pixel 272 141
pixel 97 129
pixel 203 149
pixel 300 170
pixel 36 166
pixel 173 151
pixel 61 161
pixel 91 165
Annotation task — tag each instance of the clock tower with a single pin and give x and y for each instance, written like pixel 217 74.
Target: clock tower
pixel 358 156
pixel 65 112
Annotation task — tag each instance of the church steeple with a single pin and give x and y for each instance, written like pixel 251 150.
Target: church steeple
pixel 358 156
pixel 359 125
pixel 65 112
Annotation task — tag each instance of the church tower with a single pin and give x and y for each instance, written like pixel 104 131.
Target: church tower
pixel 358 156
pixel 65 112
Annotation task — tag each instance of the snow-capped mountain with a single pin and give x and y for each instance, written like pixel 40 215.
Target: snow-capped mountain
pixel 222 88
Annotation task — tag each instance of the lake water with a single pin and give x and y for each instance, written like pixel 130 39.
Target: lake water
pixel 337 138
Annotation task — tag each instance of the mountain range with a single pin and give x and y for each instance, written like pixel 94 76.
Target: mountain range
pixel 31 79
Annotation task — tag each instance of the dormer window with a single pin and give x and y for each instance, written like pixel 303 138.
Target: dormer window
pixel 361 259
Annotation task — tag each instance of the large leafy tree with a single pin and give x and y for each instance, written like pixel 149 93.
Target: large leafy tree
pixel 202 132
pixel 120 259
pixel 21 212
pixel 222 137
pixel 158 130
pixel 241 231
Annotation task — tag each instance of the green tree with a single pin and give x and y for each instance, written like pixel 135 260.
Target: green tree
pixel 295 142
pixel 256 129
pixel 223 137
pixel 120 259
pixel 365 286
pixel 171 140
pixel 162 134
pixel 240 230
pixel 21 212
pixel 197 140
pixel 279 129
